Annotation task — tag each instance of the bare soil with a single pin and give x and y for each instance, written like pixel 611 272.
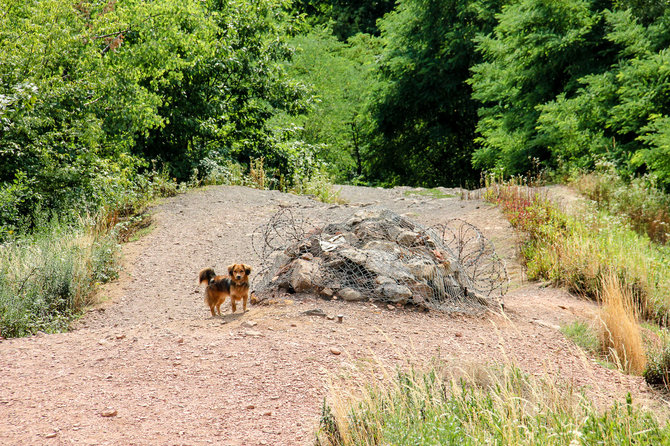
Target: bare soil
pixel 149 366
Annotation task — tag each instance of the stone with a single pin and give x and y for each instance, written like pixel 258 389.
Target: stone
pixel 381 280
pixel 382 245
pixel 383 263
pixel 350 295
pixel 249 324
pixel 354 255
pixel 397 294
pixel 407 238
pixel 109 412
pixel 302 276
pixel 315 312
pixel 51 435
pixel 250 406
pixel 368 214
pixel 327 292
pixel 335 351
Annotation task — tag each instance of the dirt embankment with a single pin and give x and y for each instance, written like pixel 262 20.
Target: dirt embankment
pixel 150 366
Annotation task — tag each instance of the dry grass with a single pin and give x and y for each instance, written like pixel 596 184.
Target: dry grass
pixel 476 405
pixel 620 338
pixel 50 276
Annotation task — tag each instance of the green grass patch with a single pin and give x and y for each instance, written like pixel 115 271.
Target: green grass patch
pixel 500 406
pixel 141 233
pixel 50 276
pixel 579 251
pixel 640 201
pixel 582 334
pixel 136 227
pixel 432 193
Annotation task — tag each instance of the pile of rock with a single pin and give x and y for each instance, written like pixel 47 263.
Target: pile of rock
pixel 378 255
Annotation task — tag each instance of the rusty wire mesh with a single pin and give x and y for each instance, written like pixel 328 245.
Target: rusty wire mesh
pixel 380 255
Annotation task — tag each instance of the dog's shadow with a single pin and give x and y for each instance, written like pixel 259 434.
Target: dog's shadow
pixel 228 317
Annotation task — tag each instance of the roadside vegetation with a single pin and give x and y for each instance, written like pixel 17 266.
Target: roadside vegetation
pixel 494 405
pixel 608 258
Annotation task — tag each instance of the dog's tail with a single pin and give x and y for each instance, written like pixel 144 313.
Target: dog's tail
pixel 206 275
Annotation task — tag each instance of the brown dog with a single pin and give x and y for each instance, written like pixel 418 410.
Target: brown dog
pixel 236 285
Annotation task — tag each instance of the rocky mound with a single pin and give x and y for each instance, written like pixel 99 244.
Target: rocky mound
pixel 382 256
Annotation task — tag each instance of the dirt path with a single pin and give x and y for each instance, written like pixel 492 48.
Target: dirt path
pixel 149 366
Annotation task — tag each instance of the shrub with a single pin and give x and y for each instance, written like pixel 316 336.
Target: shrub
pixel 658 367
pixel 645 206
pixel 579 251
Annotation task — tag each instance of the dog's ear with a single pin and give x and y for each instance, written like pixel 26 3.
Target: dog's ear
pixel 247 269
pixel 230 269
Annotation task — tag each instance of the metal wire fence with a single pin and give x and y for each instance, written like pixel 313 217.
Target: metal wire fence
pixel 379 255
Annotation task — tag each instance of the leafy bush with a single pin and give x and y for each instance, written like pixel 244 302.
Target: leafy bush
pixel 85 106
pixel 658 367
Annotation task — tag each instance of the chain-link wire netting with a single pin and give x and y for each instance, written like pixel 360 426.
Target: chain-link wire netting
pixel 380 255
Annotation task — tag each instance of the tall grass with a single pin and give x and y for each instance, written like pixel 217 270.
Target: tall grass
pixel 49 276
pixel 644 205
pixel 620 338
pixel 501 406
pixel 578 251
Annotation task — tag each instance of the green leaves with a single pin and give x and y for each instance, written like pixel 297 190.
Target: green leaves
pixel 88 90
pixel 424 117
pixel 537 51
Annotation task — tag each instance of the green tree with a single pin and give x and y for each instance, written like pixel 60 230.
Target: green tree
pixel 91 92
pixel 347 18
pixel 339 74
pixel 423 114
pixel 622 113
pixel 537 51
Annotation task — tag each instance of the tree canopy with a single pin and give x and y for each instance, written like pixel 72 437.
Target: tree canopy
pixel 418 92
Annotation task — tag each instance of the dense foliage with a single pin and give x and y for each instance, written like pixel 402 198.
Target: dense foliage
pixel 570 82
pixel 96 98
pixel 92 93
pixel 347 17
pixel 424 116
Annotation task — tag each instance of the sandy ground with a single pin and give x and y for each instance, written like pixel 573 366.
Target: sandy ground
pixel 149 366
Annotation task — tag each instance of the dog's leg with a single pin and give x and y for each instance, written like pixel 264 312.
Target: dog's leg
pixel 232 304
pixel 211 308
pixel 244 304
